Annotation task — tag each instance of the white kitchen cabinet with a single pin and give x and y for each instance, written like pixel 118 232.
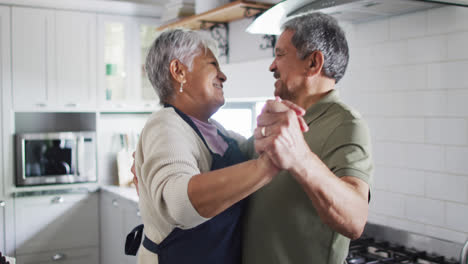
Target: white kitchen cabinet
pixel 53 58
pixel 118 217
pixel 76 256
pixel 53 223
pixel 122 83
pixel 5 81
pixel 33 57
pixel 131 219
pixel 76 59
pixel 112 239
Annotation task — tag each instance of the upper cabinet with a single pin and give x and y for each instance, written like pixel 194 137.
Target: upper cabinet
pixel 5 94
pixel 76 59
pixel 4 89
pixel 32 57
pixel 124 43
pixel 53 59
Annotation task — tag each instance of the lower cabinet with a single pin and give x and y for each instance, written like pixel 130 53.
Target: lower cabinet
pixel 75 256
pixel 54 228
pixel 118 217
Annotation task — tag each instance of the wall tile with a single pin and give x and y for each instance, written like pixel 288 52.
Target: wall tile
pixel 373 32
pixel 425 157
pixel 408 26
pixel 406 225
pixel 429 49
pixel 410 104
pixel 390 53
pixel 446 131
pixel 425 210
pixel 387 203
pixel 411 156
pixel 377 219
pixel 447 19
pixel 446 187
pixel 382 178
pixel 390 154
pixel 446 234
pixel 405 181
pixel 457 215
pixel 407 78
pixel 457 43
pixel 400 129
pixel 365 103
pixel 457 160
pixel 401 78
pixel 457 103
pixel 359 56
pixel 449 75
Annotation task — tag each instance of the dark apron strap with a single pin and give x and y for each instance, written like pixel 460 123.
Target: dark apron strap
pixel 150 245
pixel 133 241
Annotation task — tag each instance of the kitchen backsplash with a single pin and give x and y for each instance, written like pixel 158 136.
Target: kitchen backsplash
pixel 408 76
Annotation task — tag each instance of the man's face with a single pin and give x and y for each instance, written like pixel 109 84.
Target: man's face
pixel 288 69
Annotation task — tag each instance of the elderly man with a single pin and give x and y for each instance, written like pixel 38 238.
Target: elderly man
pixel 309 212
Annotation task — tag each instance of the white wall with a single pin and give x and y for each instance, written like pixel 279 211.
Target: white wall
pixel 408 76
pixel 248 77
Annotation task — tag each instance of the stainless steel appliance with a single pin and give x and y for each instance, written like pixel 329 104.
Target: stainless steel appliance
pixel 55 158
pixel 368 250
pixel 354 11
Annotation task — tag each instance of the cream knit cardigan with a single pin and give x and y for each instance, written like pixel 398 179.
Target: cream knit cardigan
pixel 168 154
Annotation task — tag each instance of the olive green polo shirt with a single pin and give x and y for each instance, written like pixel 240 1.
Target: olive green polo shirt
pixel 281 225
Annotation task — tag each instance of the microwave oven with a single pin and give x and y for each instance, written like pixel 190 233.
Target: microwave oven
pixel 55 158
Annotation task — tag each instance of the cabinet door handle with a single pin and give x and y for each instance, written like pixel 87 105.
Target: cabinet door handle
pixel 138 213
pixel 57 200
pixel 71 105
pixel 115 203
pixel 41 105
pixel 58 256
pixel 2 203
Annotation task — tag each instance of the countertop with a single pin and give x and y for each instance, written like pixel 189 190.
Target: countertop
pixel 128 193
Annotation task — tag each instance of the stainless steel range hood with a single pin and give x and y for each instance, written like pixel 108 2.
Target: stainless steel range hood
pixel 354 11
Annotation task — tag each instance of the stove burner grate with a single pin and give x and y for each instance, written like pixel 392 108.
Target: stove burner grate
pixel 369 251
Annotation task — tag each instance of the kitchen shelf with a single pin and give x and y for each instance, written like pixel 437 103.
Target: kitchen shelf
pixel 230 12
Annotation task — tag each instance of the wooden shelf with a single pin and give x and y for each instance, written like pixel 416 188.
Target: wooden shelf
pixel 223 14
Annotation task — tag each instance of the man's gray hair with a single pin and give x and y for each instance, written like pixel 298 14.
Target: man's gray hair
pixel 181 44
pixel 318 31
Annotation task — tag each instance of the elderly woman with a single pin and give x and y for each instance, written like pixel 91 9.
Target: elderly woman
pixel 192 177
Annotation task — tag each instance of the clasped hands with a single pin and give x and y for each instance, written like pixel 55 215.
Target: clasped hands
pixel 279 134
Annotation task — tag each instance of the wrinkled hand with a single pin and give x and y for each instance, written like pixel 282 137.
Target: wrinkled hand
pixel 135 179
pixel 283 127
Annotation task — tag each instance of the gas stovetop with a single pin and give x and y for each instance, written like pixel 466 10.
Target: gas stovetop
pixel 368 250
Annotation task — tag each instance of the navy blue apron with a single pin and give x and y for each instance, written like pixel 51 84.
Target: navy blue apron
pixel 216 240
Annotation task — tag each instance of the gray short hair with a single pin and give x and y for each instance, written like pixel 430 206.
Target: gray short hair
pixel 318 31
pixel 181 44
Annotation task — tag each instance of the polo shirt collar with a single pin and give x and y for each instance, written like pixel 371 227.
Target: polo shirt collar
pixel 320 107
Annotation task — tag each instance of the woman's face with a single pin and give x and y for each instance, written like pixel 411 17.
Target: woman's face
pixel 205 81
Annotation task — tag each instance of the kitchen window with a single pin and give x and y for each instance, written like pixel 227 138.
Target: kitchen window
pixel 240 117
